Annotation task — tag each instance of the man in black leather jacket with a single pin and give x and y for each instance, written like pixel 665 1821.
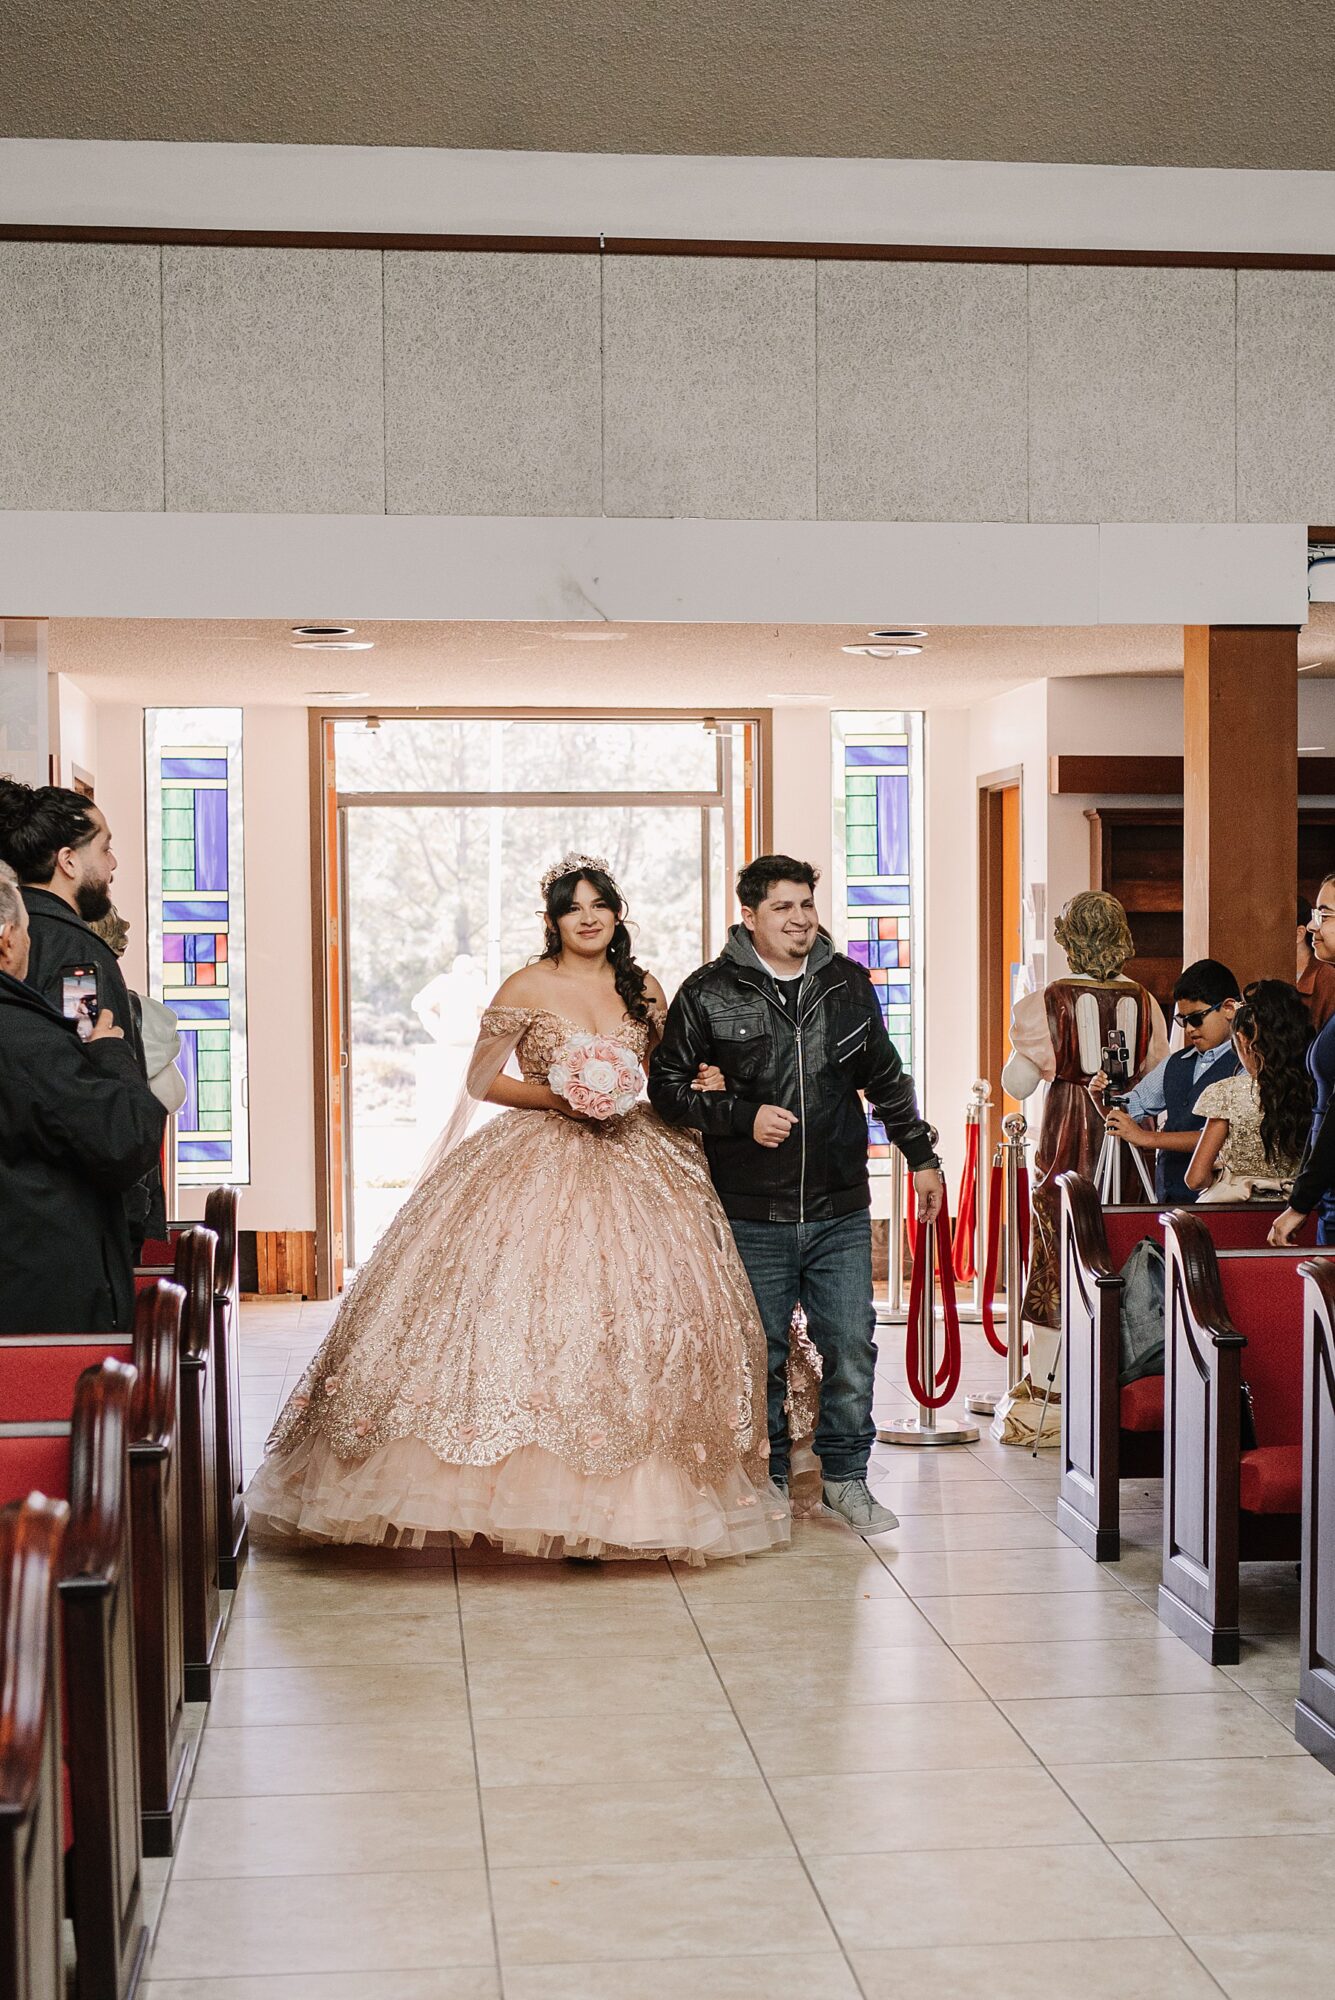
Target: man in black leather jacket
pixel 796 1031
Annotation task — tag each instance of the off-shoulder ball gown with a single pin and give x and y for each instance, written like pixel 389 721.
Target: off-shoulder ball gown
pixel 554 1347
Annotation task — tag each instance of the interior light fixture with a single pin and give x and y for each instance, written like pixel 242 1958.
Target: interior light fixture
pixel 1313 665
pixel 1311 749
pixel 796 694
pixel 337 694
pixel 323 631
pixel 334 645
pixel 590 632
pixel 880 652
pixel 899 632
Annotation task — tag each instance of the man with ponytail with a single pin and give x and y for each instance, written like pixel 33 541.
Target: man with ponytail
pixel 59 845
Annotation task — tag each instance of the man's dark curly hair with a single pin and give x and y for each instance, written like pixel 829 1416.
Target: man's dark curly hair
pixel 759 876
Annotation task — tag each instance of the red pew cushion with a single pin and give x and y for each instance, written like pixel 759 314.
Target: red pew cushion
pixel 1141 1404
pixel 1125 1227
pixel 1271 1480
pixel 34 1464
pixel 1264 1297
pixel 157 1253
pixel 37 1382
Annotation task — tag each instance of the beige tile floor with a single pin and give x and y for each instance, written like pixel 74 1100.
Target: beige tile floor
pixel 959 1760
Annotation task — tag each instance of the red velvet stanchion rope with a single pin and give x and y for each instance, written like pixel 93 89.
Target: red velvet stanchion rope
pixel 964 1259
pixel 926 1268
pixel 994 1340
pixel 994 1193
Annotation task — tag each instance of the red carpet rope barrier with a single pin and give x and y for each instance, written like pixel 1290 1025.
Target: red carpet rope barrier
pixel 994 1197
pixel 926 1270
pixel 964 1254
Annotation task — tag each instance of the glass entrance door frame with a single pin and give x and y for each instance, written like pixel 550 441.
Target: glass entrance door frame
pixel 330 891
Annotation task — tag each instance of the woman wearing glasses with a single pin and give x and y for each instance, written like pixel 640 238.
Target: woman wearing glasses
pixel 1315 1185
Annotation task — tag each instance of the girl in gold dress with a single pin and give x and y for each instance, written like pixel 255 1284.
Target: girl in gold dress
pixel 554 1347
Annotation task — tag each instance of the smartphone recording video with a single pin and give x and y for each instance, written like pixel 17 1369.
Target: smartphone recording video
pixel 78 998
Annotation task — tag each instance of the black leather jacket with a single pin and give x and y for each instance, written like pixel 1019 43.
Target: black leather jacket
pixel 729 1013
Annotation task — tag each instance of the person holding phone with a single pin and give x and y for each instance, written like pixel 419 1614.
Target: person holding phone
pixel 78 1127
pixel 59 845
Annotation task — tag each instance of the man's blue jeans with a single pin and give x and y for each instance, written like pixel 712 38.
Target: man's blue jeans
pixel 826 1267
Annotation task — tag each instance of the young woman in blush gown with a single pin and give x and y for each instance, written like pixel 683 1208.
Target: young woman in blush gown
pixel 554 1346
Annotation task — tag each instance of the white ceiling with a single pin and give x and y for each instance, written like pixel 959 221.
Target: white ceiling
pixel 517 665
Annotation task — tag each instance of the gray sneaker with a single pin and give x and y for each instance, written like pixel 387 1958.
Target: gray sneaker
pixel 852 1501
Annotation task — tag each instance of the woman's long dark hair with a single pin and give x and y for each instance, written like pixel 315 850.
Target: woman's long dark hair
pixel 1274 1020
pixel 629 976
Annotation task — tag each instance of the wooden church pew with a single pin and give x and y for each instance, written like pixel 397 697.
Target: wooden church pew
pixel 31 1768
pixel 38 1376
pixel 201 1604
pixel 1231 1317
pixel 1111 1433
pixel 1314 1714
pixel 220 1215
pixel 86 1460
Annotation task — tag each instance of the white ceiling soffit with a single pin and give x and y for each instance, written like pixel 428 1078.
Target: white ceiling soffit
pixel 104 565
pixel 420 190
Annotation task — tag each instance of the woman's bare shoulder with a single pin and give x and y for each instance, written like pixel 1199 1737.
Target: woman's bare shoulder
pixel 525 988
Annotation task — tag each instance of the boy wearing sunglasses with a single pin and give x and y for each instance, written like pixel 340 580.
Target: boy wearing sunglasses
pixel 1205 999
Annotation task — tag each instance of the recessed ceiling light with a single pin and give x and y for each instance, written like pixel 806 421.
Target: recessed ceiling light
pixel 1311 749
pixel 323 631
pixel 880 652
pixel 899 632
pixel 334 645
pixel 337 694
pixel 590 632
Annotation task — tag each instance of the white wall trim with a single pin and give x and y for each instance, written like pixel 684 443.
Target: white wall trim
pixel 420 190
pixel 693 572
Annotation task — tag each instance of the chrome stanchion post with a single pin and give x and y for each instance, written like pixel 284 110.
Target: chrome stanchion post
pixel 892 1312
pixel 975 1114
pixel 1015 1125
pixel 928 1427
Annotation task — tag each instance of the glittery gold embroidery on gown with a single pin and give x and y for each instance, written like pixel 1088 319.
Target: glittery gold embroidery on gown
pixel 554 1346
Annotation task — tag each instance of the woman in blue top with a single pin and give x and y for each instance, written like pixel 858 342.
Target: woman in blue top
pixel 1315 1185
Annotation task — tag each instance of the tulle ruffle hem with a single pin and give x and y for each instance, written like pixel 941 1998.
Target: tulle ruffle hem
pixel 530 1503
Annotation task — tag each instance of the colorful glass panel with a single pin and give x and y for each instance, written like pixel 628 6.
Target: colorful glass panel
pixel 197 928
pixel 878 849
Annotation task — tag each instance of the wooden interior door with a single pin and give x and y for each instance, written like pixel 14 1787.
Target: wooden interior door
pixel 1000 931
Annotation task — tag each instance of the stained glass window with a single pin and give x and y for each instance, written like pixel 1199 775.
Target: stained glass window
pixel 197 928
pixel 877 892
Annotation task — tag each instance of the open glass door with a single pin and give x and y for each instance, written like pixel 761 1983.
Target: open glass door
pixel 439 899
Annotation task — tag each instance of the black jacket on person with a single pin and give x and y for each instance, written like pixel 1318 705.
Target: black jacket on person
pixel 729 1013
pixel 78 1126
pixel 61 942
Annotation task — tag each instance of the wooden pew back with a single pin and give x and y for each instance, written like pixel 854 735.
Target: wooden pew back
pixel 1314 1712
pixel 86 1459
pixel 1229 1316
pixel 31 1776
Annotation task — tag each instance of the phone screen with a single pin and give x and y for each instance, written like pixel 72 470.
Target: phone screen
pixel 78 997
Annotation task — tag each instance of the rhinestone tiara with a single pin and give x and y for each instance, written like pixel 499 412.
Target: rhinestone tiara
pixel 569 864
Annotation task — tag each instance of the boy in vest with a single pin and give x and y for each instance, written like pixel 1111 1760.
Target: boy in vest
pixel 1205 999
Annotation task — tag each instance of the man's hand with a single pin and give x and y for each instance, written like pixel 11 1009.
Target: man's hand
pixel 104 1028
pixel 772 1126
pixel 1096 1086
pixel 931 1193
pixel 1284 1228
pixel 1123 1126
pixel 709 1077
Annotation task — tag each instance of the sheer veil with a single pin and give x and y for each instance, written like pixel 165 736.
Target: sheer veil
pixel 499 1035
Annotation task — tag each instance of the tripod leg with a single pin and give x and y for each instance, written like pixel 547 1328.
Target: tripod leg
pixel 1047 1399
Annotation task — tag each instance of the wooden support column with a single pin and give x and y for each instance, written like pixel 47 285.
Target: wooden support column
pixel 1240 797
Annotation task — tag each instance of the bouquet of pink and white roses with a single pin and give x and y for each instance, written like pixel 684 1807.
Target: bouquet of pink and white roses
pixel 597 1076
